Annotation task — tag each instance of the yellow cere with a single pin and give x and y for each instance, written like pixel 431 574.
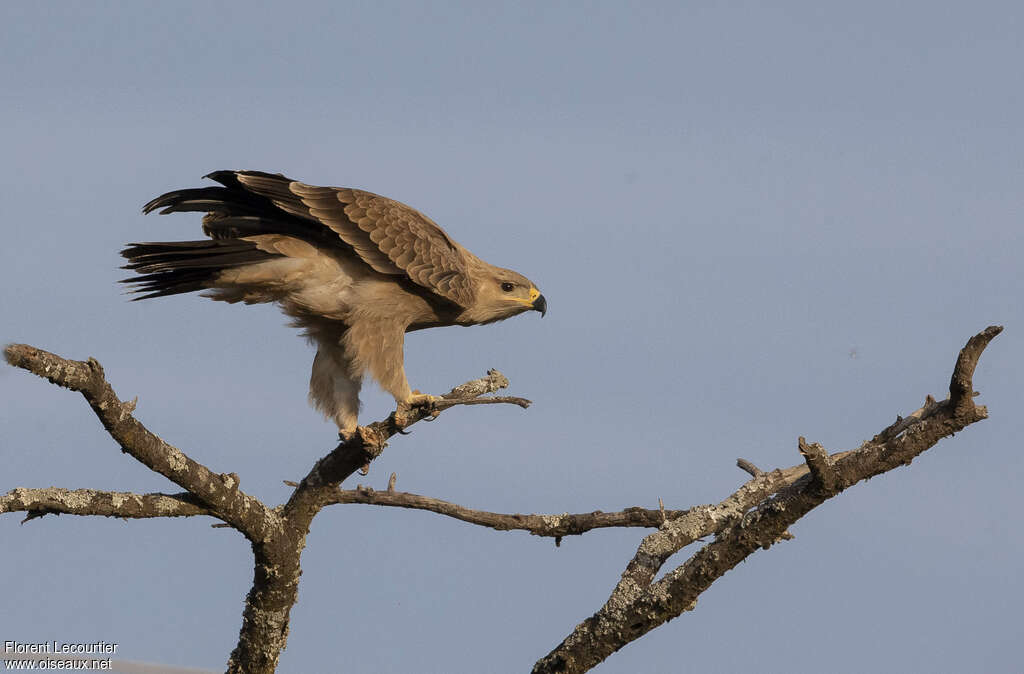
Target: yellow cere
pixel 534 294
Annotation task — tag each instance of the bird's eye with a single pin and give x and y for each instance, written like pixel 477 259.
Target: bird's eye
pixel 508 287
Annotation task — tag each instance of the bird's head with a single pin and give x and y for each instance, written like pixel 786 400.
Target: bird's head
pixel 503 293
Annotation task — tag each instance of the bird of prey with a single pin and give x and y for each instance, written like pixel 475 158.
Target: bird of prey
pixel 354 270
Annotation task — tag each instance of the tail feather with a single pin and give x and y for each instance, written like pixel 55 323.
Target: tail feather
pixel 184 266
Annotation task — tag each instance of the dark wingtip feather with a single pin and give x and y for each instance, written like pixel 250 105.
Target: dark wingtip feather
pixel 225 177
pixel 229 178
pixel 230 197
pixel 155 203
pixel 170 199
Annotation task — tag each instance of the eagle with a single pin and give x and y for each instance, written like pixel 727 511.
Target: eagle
pixel 354 270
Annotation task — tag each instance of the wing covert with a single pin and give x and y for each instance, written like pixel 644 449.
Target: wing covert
pixel 389 236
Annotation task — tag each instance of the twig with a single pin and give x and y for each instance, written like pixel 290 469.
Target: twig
pixel 820 465
pixel 445 403
pixel 555 526
pixel 749 467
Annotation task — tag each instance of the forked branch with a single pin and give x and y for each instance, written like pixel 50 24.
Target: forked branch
pixel 277 534
pixel 276 579
pixel 218 493
pixel 638 604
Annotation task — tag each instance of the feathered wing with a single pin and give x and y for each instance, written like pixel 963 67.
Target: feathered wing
pixel 388 236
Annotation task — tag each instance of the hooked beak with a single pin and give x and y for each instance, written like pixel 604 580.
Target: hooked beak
pixel 540 304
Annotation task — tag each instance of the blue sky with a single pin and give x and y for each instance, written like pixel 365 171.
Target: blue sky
pixel 751 223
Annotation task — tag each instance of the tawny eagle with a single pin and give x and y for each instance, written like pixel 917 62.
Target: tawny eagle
pixel 354 270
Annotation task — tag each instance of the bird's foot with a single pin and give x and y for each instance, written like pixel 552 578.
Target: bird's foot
pixel 418 399
pixel 421 400
pixel 347 435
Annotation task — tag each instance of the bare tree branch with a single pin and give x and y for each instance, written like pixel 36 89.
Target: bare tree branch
pixel 445 403
pixel 755 516
pixel 218 492
pixel 701 521
pixel 555 526
pixel 638 605
pixel 749 467
pixel 58 501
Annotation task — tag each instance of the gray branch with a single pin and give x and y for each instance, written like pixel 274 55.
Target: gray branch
pixel 554 526
pixel 219 493
pixel 58 501
pixel 775 501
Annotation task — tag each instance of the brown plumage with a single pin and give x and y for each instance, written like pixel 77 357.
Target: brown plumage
pixel 355 270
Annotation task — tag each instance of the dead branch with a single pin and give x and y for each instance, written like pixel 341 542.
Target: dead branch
pixel 749 467
pixel 217 492
pixel 637 604
pixel 276 579
pixel 444 403
pixel 755 516
pixel 555 526
pixel 57 501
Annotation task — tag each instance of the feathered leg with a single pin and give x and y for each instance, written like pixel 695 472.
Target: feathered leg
pixel 377 347
pixel 334 386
